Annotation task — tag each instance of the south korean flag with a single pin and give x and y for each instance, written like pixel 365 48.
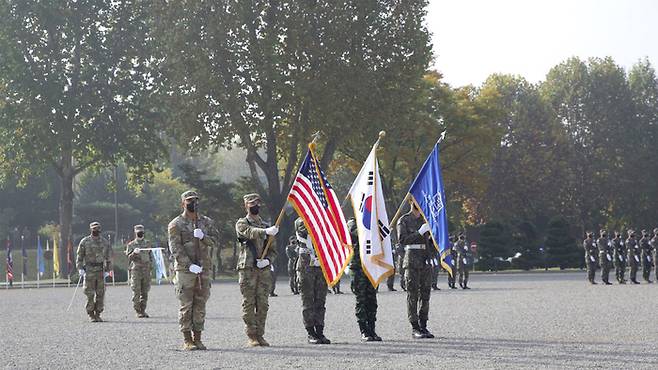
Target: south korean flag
pixel 372 222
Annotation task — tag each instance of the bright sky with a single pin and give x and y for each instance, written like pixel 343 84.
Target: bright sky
pixel 475 38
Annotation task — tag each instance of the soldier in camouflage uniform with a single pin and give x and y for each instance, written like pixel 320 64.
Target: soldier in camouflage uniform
pixel 452 274
pixel 312 286
pixel 463 261
pixel 620 257
pixel 647 253
pixel 255 277
pixel 93 263
pixel 654 245
pixel 365 293
pixel 414 234
pixel 140 270
pixel 191 236
pixel 634 256
pixel 293 256
pixel 605 256
pixel 590 256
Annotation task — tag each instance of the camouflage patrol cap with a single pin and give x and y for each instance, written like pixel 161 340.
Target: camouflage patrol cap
pixel 251 197
pixel 95 225
pixel 190 194
pixel 138 228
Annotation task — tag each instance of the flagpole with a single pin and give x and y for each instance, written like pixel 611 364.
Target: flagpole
pixel 24 262
pixel 271 238
pixel 406 197
pixel 38 259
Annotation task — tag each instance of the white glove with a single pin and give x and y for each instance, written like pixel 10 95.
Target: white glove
pixel 423 229
pixel 198 233
pixel 262 263
pixel 608 257
pixel 195 269
pixel 621 258
pixel 136 250
pixel 592 258
pixel 637 259
pixel 82 272
pixel 272 230
pixel 464 260
pixel 649 258
pixel 106 274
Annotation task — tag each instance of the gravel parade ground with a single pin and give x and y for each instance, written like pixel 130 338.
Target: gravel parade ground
pixel 518 320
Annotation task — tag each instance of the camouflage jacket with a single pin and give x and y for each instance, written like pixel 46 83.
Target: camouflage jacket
pixel 305 250
pixel 590 248
pixel 645 245
pixel 408 235
pixel 94 254
pixel 633 250
pixel 185 248
pixel 463 252
pixel 250 231
pixel 604 245
pixel 142 260
pixel 619 247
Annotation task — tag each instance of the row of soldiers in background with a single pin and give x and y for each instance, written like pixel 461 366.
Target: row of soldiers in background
pixel 634 252
pixel 462 258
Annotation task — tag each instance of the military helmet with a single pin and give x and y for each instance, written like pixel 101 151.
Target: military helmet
pixel 95 225
pixel 250 197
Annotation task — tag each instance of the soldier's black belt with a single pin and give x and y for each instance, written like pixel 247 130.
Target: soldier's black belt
pixel 95 264
pixel 414 246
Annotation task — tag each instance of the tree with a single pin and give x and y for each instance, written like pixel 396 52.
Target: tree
pixel 526 241
pixel 76 80
pixel 265 75
pixel 495 245
pixel 561 248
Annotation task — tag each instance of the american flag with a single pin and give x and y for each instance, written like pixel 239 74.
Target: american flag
pixel 316 203
pixel 10 263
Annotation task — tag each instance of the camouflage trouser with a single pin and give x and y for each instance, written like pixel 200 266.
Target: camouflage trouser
pixel 366 297
pixel 400 271
pixel 140 283
pixel 391 280
pixel 255 286
pixel 605 266
pixel 95 291
pixel 192 291
pixel 419 286
pixel 314 295
pixel 634 266
pixel 462 271
pixel 646 266
pixel 591 268
pixel 620 268
pixel 435 276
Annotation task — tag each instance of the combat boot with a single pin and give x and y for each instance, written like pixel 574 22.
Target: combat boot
pixel 252 341
pixel 197 341
pixel 92 317
pixel 371 325
pixel 423 329
pixel 312 337
pixel 465 286
pixel 319 330
pixel 262 342
pixel 188 343
pixel 634 281
pixel 98 317
pixel 415 332
pixel 366 334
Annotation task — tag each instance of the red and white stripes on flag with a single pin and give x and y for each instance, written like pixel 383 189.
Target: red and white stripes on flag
pixel 316 203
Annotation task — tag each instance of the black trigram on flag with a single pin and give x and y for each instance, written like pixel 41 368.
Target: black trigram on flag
pixel 371 178
pixel 368 246
pixel 383 229
pixel 363 197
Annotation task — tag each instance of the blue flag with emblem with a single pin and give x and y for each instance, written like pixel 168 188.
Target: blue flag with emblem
pixel 427 192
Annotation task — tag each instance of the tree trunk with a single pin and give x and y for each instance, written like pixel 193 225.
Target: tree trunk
pixel 65 212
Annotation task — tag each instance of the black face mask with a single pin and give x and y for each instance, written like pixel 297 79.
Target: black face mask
pixel 191 207
pixel 95 232
pixel 254 210
pixel 140 234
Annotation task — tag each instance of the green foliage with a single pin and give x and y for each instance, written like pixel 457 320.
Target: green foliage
pixel 526 241
pixel 561 248
pixel 495 244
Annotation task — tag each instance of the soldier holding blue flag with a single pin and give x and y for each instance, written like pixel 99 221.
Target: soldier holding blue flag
pixel 413 233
